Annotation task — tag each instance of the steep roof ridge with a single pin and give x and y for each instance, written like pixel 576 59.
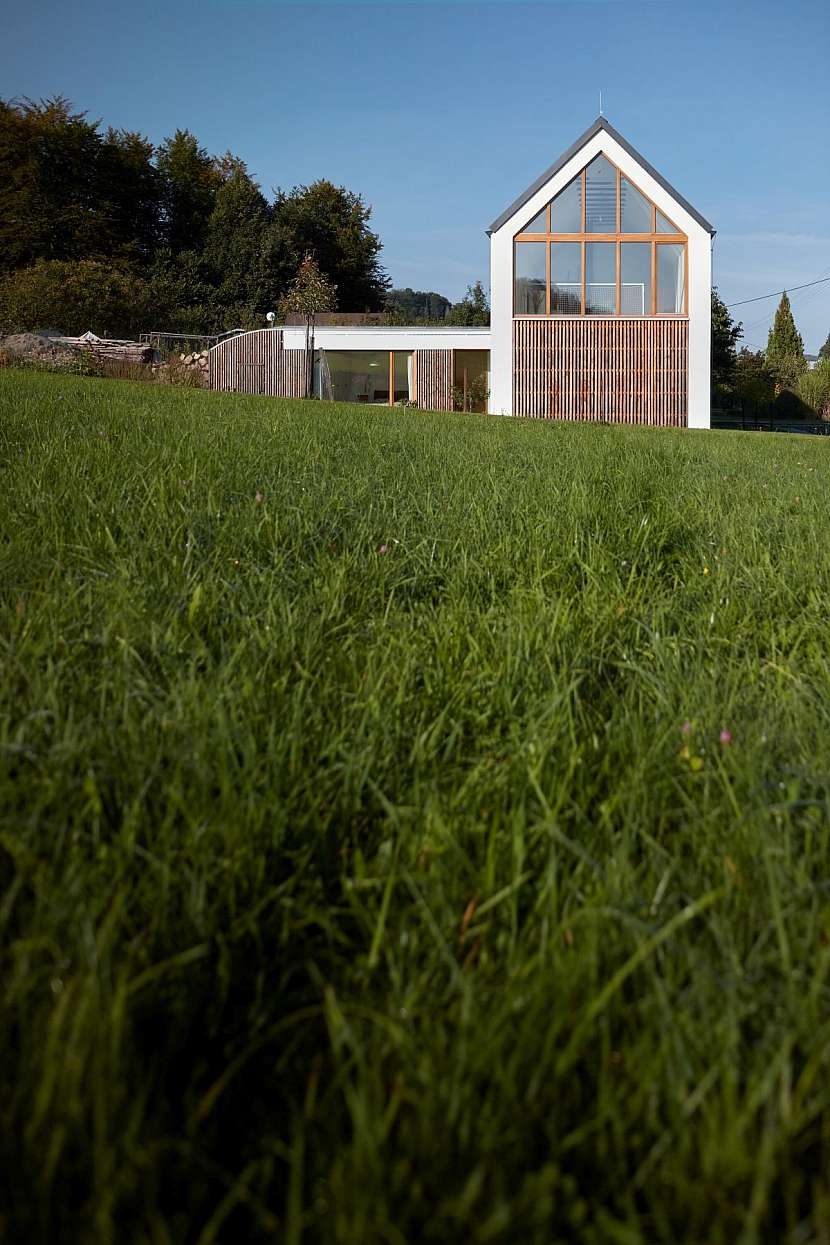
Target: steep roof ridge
pixel 601 123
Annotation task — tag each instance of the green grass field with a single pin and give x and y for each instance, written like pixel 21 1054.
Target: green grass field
pixel 372 869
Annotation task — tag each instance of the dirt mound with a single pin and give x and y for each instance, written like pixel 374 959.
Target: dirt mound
pixel 38 347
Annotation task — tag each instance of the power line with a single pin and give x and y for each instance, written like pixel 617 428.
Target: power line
pixel 776 293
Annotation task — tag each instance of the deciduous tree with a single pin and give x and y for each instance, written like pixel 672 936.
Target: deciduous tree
pixel 473 309
pixel 310 292
pixel 332 223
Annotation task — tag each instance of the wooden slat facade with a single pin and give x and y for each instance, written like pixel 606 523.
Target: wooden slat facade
pixel 434 379
pixel 257 362
pixel 605 369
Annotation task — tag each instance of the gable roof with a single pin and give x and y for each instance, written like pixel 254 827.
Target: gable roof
pixel 599 124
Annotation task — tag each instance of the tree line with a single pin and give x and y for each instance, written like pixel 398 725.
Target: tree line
pixel 101 229
pixel 775 381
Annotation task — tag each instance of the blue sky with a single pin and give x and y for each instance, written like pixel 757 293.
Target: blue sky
pixel 439 112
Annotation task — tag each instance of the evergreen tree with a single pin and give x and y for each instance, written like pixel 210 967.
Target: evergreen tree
pixel 725 336
pixel 236 251
pixel 189 182
pixel 785 349
pixel 128 192
pixel 824 353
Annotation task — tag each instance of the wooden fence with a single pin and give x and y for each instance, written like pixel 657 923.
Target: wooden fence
pixel 257 362
pixel 616 370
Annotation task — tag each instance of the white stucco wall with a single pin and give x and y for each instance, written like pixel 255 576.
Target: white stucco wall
pixel 700 277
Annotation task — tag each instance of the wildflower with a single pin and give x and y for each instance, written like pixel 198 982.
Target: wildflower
pixel 686 728
pixel 725 737
pixel 259 499
pixel 383 549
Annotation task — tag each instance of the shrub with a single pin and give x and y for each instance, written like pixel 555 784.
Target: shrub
pixel 788 405
pixel 77 295
pixel 813 387
pixel 475 397
pixel 754 383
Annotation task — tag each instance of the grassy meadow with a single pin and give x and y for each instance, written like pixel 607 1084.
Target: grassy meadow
pixel 413 828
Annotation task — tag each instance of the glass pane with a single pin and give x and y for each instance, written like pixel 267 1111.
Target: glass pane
pixel 671 278
pixel 472 379
pixel 664 225
pixel 404 376
pixel 539 224
pixel 635 278
pixel 565 278
pixel 601 197
pixel 635 209
pixel 355 375
pixel 531 278
pixel 600 278
pixel 566 209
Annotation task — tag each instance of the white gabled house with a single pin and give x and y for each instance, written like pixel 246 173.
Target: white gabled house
pixel 600 310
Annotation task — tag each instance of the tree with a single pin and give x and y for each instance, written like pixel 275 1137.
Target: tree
pixel 67 192
pixel 332 224
pixel 824 353
pixel 753 382
pixel 128 196
pixel 189 182
pixel 473 309
pixel 183 297
pixel 48 201
pixel 237 245
pixel 785 349
pixel 214 252
pixel 725 336
pixel 416 305
pixel 309 293
pixel 73 296
pixel 814 388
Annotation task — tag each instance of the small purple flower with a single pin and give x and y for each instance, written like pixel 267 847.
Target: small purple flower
pixel 259 499
pixel 383 549
pixel 725 738
pixel 686 728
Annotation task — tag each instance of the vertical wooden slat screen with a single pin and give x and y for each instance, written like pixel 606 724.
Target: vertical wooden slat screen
pixel 257 362
pixel 615 370
pixel 433 379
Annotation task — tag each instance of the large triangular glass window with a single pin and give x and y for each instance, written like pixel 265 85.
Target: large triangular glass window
pixel 600 196
pixel 602 248
pixel 635 209
pixel 566 209
pixel 539 224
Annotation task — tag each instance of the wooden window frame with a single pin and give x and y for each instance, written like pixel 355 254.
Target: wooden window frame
pixel 654 239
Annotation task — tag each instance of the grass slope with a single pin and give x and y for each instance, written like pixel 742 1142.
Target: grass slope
pixel 358 896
